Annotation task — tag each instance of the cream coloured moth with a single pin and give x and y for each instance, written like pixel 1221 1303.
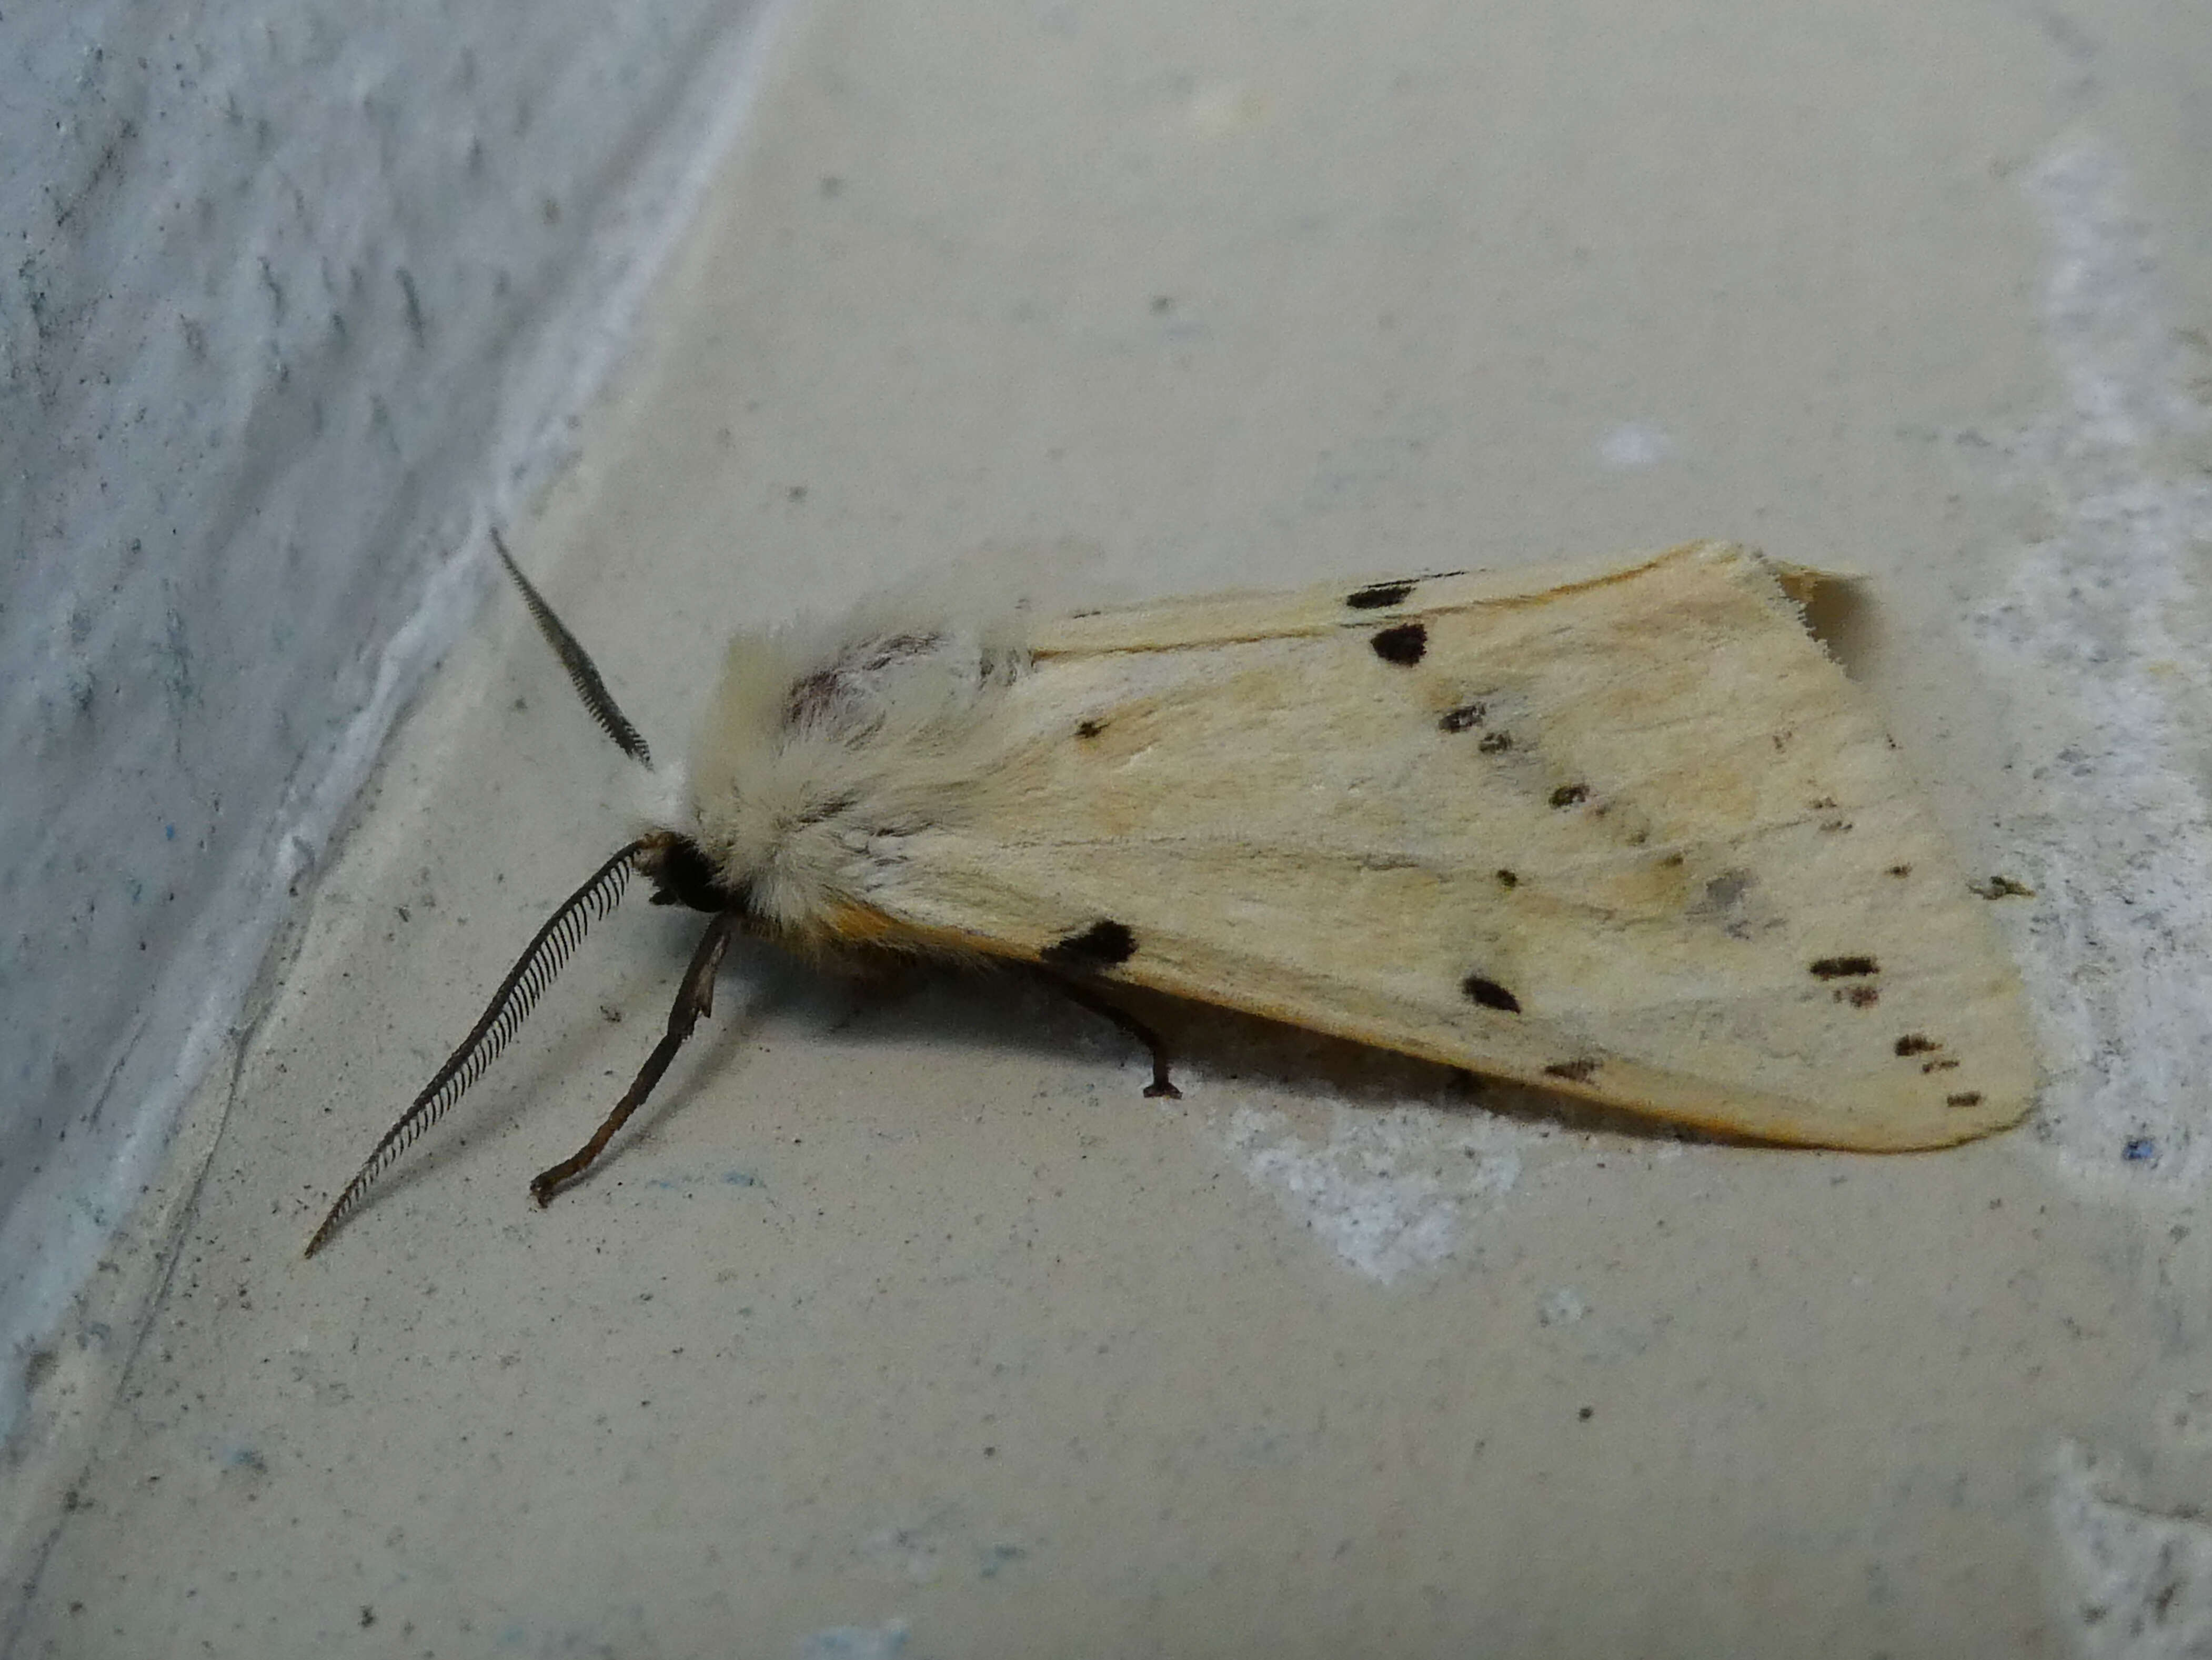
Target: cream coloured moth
pixel 1622 829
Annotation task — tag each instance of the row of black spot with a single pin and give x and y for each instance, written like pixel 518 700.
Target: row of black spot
pixel 1404 645
pixel 1107 943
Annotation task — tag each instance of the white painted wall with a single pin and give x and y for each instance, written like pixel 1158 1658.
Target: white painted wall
pixel 293 298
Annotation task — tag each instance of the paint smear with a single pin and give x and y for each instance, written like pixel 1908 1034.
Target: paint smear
pixel 2101 639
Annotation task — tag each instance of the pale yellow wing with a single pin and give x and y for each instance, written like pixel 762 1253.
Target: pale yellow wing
pixel 1630 834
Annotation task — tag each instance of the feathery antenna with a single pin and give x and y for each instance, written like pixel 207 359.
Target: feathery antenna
pixel 573 657
pixel 510 1006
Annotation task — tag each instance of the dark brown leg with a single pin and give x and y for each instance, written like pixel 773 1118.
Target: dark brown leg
pixel 1080 994
pixel 693 998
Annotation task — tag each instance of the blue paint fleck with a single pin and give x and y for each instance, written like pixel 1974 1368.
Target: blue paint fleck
pixel 168 832
pixel 2140 1150
pixel 738 1178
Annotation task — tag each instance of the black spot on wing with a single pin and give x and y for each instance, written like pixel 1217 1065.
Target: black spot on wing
pixel 1090 728
pixel 1404 645
pixel 1495 743
pixel 1964 1098
pixel 1914 1043
pixel 1489 993
pixel 1465 715
pixel 1568 795
pixel 1101 946
pixel 1843 968
pixel 1507 878
pixel 1376 596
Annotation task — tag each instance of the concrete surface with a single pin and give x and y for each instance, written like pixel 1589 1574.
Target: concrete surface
pixel 296 294
pixel 902 1324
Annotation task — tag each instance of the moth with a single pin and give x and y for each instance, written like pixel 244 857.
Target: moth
pixel 1622 829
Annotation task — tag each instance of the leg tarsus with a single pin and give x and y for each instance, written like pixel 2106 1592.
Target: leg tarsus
pixel 1084 996
pixel 693 998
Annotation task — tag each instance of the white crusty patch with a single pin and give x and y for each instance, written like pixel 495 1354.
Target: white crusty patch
pixel 1388 1192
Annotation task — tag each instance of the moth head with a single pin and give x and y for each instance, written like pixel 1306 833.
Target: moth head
pixel 682 874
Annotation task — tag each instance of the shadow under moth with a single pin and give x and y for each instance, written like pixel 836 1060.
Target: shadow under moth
pixel 1621 829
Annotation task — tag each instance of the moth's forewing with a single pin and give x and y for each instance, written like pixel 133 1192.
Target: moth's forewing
pixel 1622 831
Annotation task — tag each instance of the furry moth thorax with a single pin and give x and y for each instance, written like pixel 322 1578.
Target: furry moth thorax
pixel 822 749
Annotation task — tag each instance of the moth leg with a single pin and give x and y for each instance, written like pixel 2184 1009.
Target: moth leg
pixel 1083 996
pixel 693 998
